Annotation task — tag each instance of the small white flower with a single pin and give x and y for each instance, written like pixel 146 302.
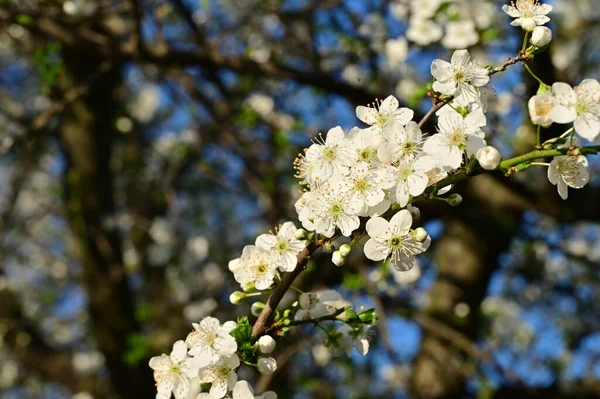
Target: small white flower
pixel 396 51
pixel 456 134
pixel 357 337
pixel 329 157
pixel 243 390
pixel 580 105
pixel 315 305
pixel 425 8
pixel 393 240
pixel 460 77
pixel 528 13
pixel 266 365
pixel 366 142
pixel 407 177
pixel 337 258
pixel 363 185
pixel 382 112
pixel 568 171
pixel 285 246
pixel 401 142
pixel 256 266
pixel 221 375
pixel 333 207
pixel 460 34
pixel 541 36
pixel 172 373
pixel 540 106
pixel 489 158
pixel 423 31
pixel 266 344
pixel 210 340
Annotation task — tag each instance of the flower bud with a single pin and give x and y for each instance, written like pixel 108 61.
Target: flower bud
pixel 237 297
pixel 541 36
pixel 489 158
pixel 528 24
pixel 337 258
pixel 414 211
pixel 301 234
pixel 257 308
pixel 269 395
pixel 267 365
pixel 455 199
pixel 248 287
pixel 420 234
pixel 345 250
pixel 266 344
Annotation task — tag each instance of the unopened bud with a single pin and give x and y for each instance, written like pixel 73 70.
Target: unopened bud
pixel 257 308
pixel 237 297
pixel 266 344
pixel 541 36
pixel 489 158
pixel 248 287
pixel 528 24
pixel 455 199
pixel 420 234
pixel 345 250
pixel 301 234
pixel 267 365
pixel 414 211
pixel 337 258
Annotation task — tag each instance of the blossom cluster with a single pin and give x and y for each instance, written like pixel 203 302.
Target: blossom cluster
pixel 209 355
pixel 360 186
pixel 362 173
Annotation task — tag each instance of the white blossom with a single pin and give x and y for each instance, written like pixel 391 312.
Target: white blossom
pixel 423 31
pixel 456 134
pixel 580 105
pixel 382 112
pixel 568 171
pixel 221 375
pixel 460 77
pixel 528 13
pixel 460 34
pixel 333 207
pixel 363 186
pixel 210 340
pixel 285 246
pixel 540 106
pixel 401 142
pixel 315 305
pixel 357 337
pixel 256 266
pixel 407 177
pixel 331 156
pixel 172 373
pixel 393 240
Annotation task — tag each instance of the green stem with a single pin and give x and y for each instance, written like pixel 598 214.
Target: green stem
pixel 530 156
pixel 538 142
pixel 534 75
pixel 298 290
pixel 525 41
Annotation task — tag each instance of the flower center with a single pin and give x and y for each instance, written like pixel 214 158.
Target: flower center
pixel 336 208
pixel 543 107
pixel 329 154
pixel 261 268
pixel 282 246
pixel 395 242
pixel 361 185
pixel 457 138
pixel 366 155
